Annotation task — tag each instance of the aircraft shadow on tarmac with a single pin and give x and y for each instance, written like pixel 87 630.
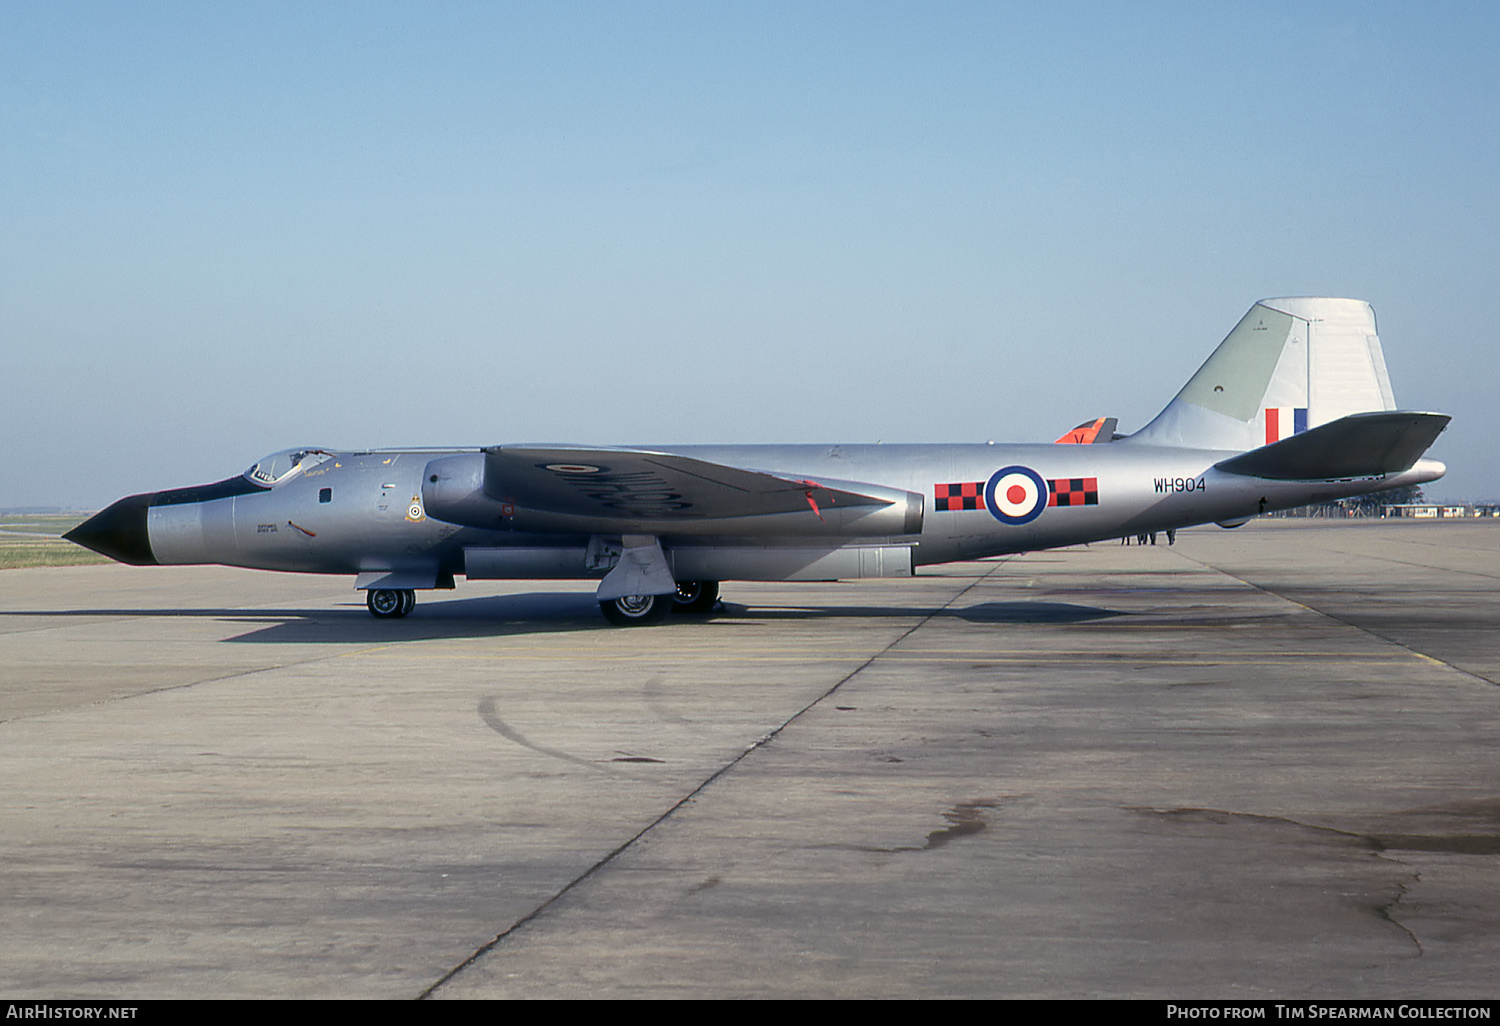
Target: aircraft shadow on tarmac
pixel 547 613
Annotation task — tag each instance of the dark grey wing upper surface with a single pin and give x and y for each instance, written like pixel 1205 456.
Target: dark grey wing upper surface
pixel 633 483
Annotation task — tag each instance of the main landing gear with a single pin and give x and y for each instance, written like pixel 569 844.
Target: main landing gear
pixel 644 610
pixel 390 603
pixel 695 596
pixel 636 610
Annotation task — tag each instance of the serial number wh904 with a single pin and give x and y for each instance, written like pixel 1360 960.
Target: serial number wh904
pixel 1165 485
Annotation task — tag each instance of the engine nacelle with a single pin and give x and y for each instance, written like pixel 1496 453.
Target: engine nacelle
pixel 453 491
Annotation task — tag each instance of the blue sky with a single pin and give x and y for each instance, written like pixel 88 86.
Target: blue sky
pixel 231 228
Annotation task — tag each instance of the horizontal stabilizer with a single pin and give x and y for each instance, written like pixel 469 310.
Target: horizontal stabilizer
pixel 1359 445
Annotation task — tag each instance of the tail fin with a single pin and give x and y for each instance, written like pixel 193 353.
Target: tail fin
pixel 1288 366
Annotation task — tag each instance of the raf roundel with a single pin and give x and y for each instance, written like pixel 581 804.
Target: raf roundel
pixel 1015 495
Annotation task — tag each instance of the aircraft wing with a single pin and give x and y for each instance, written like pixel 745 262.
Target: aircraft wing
pixel 633 483
pixel 1359 445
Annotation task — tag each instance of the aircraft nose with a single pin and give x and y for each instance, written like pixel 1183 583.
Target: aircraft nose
pixel 118 531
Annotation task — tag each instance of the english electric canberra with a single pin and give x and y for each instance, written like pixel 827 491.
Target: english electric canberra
pixel 1293 407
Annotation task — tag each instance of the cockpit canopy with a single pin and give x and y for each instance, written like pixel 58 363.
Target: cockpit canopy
pixel 281 466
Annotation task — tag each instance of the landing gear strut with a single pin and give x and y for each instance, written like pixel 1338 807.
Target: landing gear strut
pixel 390 603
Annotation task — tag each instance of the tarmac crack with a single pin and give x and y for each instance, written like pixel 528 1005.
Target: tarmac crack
pixel 157 691
pixel 111 699
pixel 248 672
pixel 1347 623
pixel 1384 911
pixel 1423 566
pixel 1378 845
pixel 759 743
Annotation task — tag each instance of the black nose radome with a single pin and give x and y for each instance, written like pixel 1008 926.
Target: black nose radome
pixel 119 531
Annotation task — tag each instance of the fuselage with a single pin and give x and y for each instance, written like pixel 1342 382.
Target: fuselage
pixel 365 512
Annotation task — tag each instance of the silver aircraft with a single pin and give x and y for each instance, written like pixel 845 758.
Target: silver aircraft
pixel 1293 407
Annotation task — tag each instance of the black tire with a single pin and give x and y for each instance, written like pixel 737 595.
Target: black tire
pixel 636 610
pixel 408 601
pixel 387 603
pixel 695 596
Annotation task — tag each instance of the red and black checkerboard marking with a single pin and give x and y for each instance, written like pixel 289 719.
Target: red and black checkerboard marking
pixel 964 495
pixel 1073 491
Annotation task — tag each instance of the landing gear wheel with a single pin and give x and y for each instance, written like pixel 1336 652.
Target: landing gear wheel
pixel 636 610
pixel 695 596
pixel 389 603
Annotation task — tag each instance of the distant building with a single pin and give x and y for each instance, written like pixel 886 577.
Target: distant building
pixel 1432 510
pixel 1420 511
pixel 1347 508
